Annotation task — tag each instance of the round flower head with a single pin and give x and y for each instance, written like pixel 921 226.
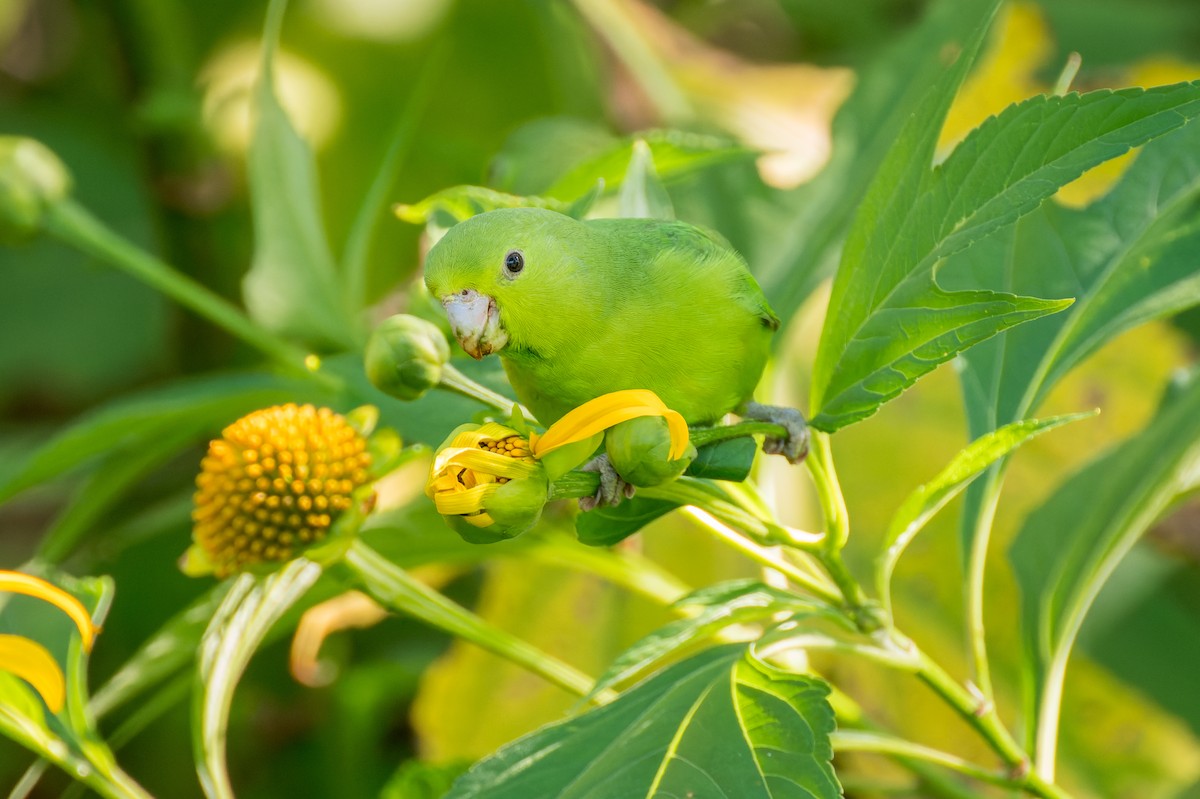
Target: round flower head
pixel 272 484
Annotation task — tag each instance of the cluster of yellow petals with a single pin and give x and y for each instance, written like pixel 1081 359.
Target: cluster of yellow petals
pixel 30 660
pixel 476 462
pixel 473 465
pixel 275 482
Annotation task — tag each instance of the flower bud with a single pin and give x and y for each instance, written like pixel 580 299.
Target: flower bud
pixel 31 179
pixel 405 356
pixel 273 484
pixel 486 484
pixel 640 450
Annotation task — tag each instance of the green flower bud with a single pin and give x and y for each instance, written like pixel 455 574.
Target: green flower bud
pixel 32 178
pixel 405 356
pixel 639 449
pixel 515 507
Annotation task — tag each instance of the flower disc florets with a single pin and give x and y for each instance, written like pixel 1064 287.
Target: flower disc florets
pixel 274 483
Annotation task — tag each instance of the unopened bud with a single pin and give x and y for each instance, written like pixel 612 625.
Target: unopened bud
pixel 32 178
pixel 639 449
pixel 405 356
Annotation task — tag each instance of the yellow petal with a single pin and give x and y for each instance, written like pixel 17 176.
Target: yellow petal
pixel 603 412
pixel 463 502
pixel 487 432
pixel 21 583
pixel 31 662
pixel 482 465
pixel 478 520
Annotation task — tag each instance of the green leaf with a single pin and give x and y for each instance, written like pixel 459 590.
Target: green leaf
pixel 642 194
pixel 416 779
pixel 725 460
pixel 131 422
pixel 291 287
pixel 674 154
pixel 923 503
pixel 719 606
pixel 605 526
pixel 721 723
pixel 252 605
pixel 913 219
pixel 807 238
pixel 1068 547
pixel 457 204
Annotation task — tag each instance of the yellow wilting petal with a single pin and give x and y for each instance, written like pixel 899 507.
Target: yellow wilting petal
pixel 596 416
pixel 31 662
pixel 459 503
pixel 21 583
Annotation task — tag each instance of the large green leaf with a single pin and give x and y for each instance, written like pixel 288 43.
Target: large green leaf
pixel 893 322
pixel 245 616
pixel 722 723
pixel 1128 258
pixel 1067 549
pixel 806 239
pixel 292 286
pixel 922 504
pixel 714 609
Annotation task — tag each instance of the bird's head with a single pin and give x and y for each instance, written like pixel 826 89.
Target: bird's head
pixel 497 273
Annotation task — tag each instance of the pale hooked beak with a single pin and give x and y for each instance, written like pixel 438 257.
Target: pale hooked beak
pixel 475 320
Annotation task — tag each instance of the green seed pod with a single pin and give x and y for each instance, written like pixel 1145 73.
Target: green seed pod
pixel 639 449
pixel 405 356
pixel 32 178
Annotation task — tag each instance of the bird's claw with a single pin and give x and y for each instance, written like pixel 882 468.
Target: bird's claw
pixel 795 446
pixel 613 490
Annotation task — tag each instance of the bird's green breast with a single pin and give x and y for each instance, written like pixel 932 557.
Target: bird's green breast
pixel 672 311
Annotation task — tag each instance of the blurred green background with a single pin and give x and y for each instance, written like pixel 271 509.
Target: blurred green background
pixel 147 103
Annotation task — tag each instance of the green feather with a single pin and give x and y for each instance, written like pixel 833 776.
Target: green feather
pixel 610 304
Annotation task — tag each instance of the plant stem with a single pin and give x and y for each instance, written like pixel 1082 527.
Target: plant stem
pixel 459 383
pixel 701 436
pixel 860 741
pixel 981 714
pixel 829 491
pixel 981 674
pixel 396 589
pixel 76 226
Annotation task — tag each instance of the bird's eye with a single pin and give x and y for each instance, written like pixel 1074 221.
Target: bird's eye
pixel 514 262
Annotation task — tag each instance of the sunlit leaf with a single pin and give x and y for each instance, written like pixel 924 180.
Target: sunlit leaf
pixel 292 286
pixel 1001 172
pixel 721 723
pixel 604 526
pixel 642 195
pixel 717 607
pixel 459 203
pixel 1067 548
pixel 929 498
pixel 252 605
pixel 673 152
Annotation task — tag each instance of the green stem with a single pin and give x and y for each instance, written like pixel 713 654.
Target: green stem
pixel 629 570
pixel 396 589
pixel 700 436
pixel 459 383
pixel 981 714
pixel 860 741
pixel 981 674
pixel 76 226
pixel 829 491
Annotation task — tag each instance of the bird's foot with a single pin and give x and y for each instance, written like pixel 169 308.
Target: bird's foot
pixel 795 446
pixel 612 488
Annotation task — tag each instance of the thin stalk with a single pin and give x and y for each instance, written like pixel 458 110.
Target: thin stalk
pixel 631 571
pixel 396 589
pixel 829 491
pixel 983 717
pixel 709 435
pixel 860 741
pixel 981 674
pixel 456 381
pixel 76 226
pixel 762 555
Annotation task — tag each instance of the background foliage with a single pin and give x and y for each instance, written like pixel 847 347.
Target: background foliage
pixel 147 103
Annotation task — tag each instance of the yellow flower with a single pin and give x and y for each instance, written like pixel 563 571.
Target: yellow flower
pixel 493 479
pixel 28 659
pixel 274 483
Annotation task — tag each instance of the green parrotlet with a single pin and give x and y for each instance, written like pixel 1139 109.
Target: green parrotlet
pixel 577 309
